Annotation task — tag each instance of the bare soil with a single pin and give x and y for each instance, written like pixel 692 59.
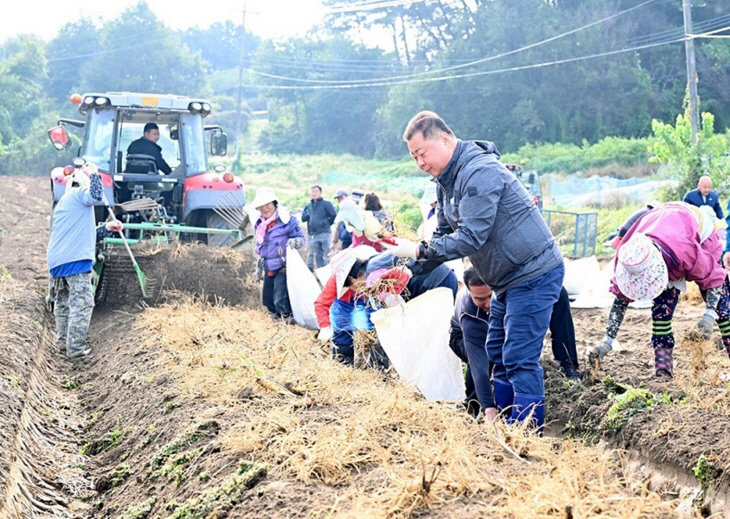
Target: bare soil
pixel 197 404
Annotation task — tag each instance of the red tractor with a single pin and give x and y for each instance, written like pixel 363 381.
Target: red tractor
pixel 190 202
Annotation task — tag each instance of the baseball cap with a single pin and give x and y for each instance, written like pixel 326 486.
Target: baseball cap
pixel 340 193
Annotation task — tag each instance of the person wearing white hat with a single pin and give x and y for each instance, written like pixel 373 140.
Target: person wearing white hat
pixel 71 255
pixel 341 234
pixel 276 232
pixel 363 225
pixel 666 247
pixel 340 308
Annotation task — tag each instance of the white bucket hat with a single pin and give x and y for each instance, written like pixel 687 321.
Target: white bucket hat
pixel 641 272
pixel 351 214
pixel 342 262
pixel 264 195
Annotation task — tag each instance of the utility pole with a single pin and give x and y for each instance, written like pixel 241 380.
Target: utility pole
pixel 241 55
pixel 689 48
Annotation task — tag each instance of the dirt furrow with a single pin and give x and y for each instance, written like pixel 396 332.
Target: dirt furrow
pixel 40 468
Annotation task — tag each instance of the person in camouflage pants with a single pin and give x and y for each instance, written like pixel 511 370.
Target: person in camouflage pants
pixel 71 253
pixel 73 308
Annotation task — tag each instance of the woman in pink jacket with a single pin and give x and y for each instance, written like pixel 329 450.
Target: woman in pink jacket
pixel 665 248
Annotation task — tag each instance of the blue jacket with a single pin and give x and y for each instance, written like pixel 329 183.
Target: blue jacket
pixel 273 249
pixel 694 197
pixel 484 212
pixel 73 236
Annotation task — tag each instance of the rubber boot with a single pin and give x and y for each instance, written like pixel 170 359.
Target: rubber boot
pixel 663 362
pixel 524 405
pixel 570 371
pixel 503 395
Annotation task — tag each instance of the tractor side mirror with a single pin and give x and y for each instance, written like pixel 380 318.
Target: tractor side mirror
pixel 218 144
pixel 59 137
pixel 174 133
pixel 531 179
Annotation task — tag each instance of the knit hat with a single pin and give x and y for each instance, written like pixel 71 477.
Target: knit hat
pixel 641 273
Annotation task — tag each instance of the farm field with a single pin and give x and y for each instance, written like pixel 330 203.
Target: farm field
pixel 198 405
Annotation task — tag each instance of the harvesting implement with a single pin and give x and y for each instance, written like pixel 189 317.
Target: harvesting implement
pixel 182 205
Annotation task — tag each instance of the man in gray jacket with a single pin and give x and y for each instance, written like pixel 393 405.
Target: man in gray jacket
pixel 485 213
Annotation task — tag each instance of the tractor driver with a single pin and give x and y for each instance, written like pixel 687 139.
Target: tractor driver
pixel 147 145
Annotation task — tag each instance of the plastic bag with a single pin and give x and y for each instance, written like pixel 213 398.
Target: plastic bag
pixel 421 354
pixel 303 290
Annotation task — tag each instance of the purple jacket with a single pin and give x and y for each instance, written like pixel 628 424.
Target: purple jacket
pixel 274 248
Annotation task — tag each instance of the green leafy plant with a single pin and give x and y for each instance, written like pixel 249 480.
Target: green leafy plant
pixel 687 161
pixel 140 511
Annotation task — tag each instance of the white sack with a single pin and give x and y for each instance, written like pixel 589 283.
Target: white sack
pixel 415 336
pixel 303 290
pixel 457 266
pixel 594 289
pixel 323 274
pixel 580 274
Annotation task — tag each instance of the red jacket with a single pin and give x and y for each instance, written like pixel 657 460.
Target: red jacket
pixel 326 298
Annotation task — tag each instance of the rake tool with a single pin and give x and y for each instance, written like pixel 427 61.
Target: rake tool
pixel 143 281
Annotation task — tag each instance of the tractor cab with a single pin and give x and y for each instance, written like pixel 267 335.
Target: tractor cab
pixel 191 192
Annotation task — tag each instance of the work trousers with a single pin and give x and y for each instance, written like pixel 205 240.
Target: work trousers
pixel 318 246
pixel 275 294
pixel 73 307
pixel 518 323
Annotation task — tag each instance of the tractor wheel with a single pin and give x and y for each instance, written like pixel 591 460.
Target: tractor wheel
pixel 213 221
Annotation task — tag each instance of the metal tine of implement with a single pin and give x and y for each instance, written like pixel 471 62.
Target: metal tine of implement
pixel 232 213
pixel 240 211
pixel 228 201
pixel 137 205
pixel 231 219
pixel 227 208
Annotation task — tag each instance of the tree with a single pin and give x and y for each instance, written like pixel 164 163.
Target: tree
pixel 21 76
pixel 220 44
pixel 324 120
pixel 687 161
pixel 140 54
pixel 70 53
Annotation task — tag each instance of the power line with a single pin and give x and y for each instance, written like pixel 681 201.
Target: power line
pixel 464 75
pixel 463 65
pixel 371 6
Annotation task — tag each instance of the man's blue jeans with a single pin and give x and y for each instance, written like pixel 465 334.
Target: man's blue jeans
pixel 318 246
pixel 518 324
